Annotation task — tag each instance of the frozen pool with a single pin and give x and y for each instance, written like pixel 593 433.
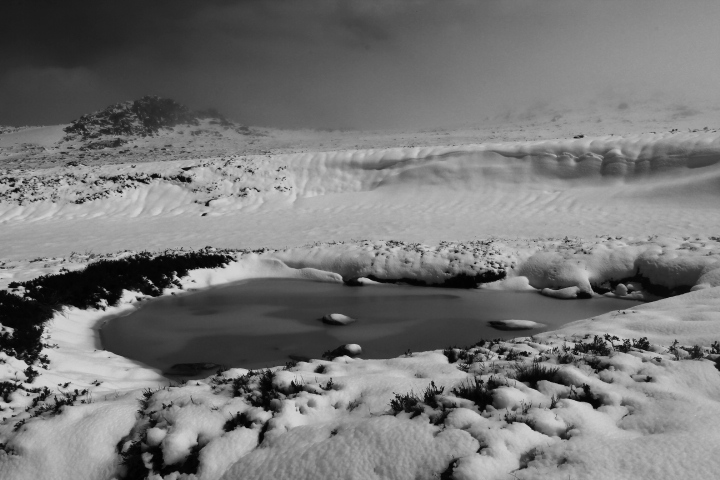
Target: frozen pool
pixel 263 323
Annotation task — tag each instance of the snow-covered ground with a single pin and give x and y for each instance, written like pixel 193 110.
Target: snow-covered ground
pixel 629 208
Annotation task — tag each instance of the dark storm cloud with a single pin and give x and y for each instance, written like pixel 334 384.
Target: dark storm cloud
pixel 81 33
pixel 338 63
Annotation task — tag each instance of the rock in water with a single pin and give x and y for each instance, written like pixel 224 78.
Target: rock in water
pixel 350 349
pixel 337 319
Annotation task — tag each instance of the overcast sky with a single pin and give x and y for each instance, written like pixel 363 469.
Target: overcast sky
pixel 351 63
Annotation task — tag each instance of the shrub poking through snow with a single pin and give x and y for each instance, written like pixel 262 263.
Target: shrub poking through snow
pixel 452 354
pixel 256 387
pixel 477 391
pixel 675 350
pixel 31 374
pixel 7 388
pixel 238 420
pixel 142 458
pixel 696 352
pixel 586 395
pixel 514 354
pixel 642 344
pixel 598 346
pixel 412 403
pixel 521 416
pixel 532 373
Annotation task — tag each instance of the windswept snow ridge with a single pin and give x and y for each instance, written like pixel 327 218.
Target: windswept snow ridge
pixel 578 187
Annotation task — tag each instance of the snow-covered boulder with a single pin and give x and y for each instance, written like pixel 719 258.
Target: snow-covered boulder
pixel 350 350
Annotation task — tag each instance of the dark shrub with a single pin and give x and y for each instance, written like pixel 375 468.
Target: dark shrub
pixel 477 391
pixel 598 347
pixel 532 373
pixel 411 403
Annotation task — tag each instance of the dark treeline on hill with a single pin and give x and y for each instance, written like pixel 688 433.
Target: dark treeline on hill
pixel 98 285
pixel 139 117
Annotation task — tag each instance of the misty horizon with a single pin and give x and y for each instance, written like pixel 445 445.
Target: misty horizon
pixel 356 64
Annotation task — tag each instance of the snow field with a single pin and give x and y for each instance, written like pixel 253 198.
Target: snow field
pixel 645 409
pixel 519 431
pixel 611 415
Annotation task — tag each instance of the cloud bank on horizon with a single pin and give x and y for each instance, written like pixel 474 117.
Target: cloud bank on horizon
pixel 353 63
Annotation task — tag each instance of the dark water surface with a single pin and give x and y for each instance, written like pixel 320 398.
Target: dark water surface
pixel 263 323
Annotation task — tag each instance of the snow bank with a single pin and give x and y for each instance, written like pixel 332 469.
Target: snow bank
pixel 584 187
pixel 612 414
pixel 692 318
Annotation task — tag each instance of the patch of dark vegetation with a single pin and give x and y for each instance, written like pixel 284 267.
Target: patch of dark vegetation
pixel 462 280
pixel 99 285
pixel 585 394
pixel 520 416
pixel 26 317
pixel 142 117
pixel 532 373
pixel 238 420
pixel 140 459
pixel 628 344
pixel 452 354
pixel 513 354
pixel 599 346
pixel 414 404
pixel 6 389
pixel 257 388
pixel 477 391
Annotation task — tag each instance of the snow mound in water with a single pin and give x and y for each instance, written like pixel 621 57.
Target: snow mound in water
pixel 515 324
pixel 337 319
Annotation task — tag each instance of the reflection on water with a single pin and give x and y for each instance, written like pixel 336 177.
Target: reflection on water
pixel 262 323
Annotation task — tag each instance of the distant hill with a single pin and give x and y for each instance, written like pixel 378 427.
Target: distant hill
pixel 143 117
